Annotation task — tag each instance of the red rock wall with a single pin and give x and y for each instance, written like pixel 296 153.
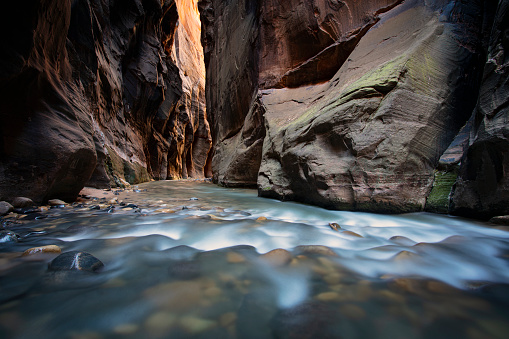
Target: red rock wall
pixel 351 103
pixel 100 90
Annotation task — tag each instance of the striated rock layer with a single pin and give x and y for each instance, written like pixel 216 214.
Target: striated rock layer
pixel 343 104
pixel 101 90
pixel 482 188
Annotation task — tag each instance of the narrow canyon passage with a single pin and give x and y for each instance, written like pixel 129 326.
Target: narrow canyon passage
pixel 254 169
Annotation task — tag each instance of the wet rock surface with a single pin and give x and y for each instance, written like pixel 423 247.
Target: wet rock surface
pixel 79 261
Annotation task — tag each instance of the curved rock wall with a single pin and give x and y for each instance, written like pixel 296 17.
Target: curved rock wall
pixel 352 104
pixel 100 90
pixel 482 188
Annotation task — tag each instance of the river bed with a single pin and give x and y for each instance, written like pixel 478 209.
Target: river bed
pixel 186 259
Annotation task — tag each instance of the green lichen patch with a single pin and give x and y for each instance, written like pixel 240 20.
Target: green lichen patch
pixel 438 199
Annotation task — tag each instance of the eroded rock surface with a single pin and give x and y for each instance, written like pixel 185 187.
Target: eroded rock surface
pixel 482 188
pixel 359 100
pixel 110 91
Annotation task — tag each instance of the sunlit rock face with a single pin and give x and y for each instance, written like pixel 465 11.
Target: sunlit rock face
pixel 344 104
pixel 111 91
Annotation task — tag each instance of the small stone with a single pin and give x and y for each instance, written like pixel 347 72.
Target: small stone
pixel 334 226
pixel 277 257
pixel 5 208
pixel 404 255
pixel 159 324
pixel 42 249
pixel 352 234
pixel 316 249
pixel 235 258
pixel 8 236
pixel 328 296
pixel 333 278
pixel 75 261
pixel 21 202
pixel 227 319
pixel 56 202
pixel 126 329
pixel 195 325
pixel 261 219
pixel 352 311
pixel 212 292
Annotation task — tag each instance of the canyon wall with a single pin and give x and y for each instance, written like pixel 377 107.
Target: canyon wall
pixel 357 105
pixel 100 92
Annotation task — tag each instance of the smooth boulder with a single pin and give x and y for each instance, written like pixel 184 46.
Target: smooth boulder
pixel 75 261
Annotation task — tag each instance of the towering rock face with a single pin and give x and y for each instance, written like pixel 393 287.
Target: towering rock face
pixel 100 90
pixel 482 188
pixel 359 99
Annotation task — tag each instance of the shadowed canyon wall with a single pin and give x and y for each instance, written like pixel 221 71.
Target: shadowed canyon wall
pixel 360 105
pixel 369 105
pixel 100 92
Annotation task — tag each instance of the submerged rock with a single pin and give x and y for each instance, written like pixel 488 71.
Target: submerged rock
pixel 277 257
pixel 316 249
pixel 75 261
pixel 8 236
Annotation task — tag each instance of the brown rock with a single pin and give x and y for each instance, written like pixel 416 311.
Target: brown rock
pixel 56 202
pixel 20 202
pixel 348 141
pixel 353 234
pixel 334 226
pixel 500 220
pixel 277 257
pixel 316 249
pixel 5 208
pixel 42 249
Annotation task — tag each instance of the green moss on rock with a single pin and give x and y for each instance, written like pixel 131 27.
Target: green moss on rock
pixel 438 199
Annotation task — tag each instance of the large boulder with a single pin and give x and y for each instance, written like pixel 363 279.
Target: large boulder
pixel 343 105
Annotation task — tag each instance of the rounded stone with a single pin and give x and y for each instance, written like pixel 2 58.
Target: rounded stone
pixel 8 236
pixel 5 208
pixel 277 257
pixel 235 258
pixel 56 202
pixel 42 249
pixel 21 202
pixel 75 261
pixel 316 249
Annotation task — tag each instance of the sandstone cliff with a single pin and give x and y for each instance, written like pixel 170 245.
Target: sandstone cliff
pixel 106 90
pixel 351 104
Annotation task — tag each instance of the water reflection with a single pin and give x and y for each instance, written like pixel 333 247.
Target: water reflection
pixel 188 259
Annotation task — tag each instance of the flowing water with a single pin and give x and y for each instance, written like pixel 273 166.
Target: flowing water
pixel 189 261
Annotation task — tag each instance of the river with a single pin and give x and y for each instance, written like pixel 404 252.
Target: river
pixel 186 259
